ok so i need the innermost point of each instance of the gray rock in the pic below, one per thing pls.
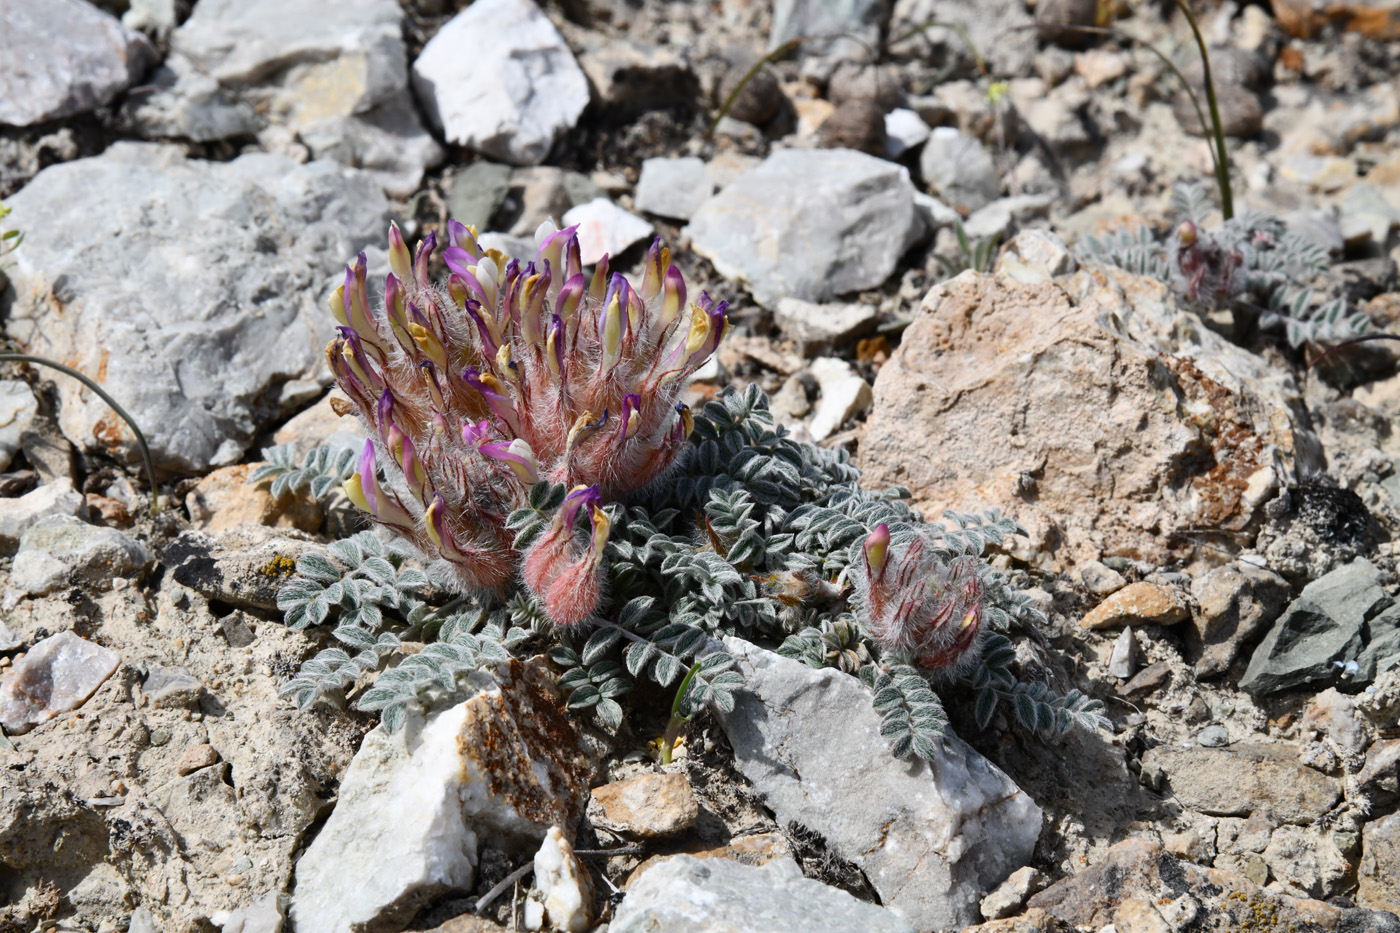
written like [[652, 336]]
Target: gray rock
[[810, 224], [1306, 859], [829, 25], [905, 131], [62, 550], [61, 57], [997, 219], [536, 194], [932, 838], [684, 894], [1002, 30], [170, 687], [57, 675], [239, 566], [1123, 661], [1234, 603], [285, 69], [1320, 631], [477, 192], [1241, 113], [519, 90], [673, 187], [8, 639], [958, 169], [1213, 737], [819, 328], [19, 515], [225, 269], [501, 767], [1097, 577], [1238, 781], [18, 406]]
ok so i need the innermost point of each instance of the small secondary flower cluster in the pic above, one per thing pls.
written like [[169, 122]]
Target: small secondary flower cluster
[[509, 375], [920, 605], [1203, 267]]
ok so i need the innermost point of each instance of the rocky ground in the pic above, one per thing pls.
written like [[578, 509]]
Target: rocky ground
[[1210, 524]]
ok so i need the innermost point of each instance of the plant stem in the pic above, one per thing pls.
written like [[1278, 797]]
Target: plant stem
[[1171, 65], [140, 438], [774, 55], [674, 724], [1222, 166]]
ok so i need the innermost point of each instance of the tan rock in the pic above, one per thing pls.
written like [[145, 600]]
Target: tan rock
[[647, 806], [1090, 409], [196, 757], [1137, 915], [756, 849], [1138, 604], [225, 499]]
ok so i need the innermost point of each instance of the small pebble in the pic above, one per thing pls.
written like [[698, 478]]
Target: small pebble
[[160, 736], [1213, 737], [196, 757]]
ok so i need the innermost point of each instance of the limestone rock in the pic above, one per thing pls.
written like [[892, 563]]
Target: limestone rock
[[820, 328], [1238, 781], [56, 675], [244, 566], [829, 25], [958, 169], [1138, 882], [684, 894], [1123, 661], [1234, 603], [604, 229], [844, 394], [225, 499], [502, 767], [18, 515], [517, 91], [1085, 408], [61, 57], [1002, 30], [673, 187], [331, 86], [1140, 603], [18, 406], [225, 268], [564, 883], [932, 838], [62, 550], [1380, 864], [1327, 626], [809, 224], [646, 806]]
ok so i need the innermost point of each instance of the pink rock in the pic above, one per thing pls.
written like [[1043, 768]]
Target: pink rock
[[55, 676]]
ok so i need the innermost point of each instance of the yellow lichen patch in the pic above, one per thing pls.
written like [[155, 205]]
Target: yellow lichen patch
[[280, 566]]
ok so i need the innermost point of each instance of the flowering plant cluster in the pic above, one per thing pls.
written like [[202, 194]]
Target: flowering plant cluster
[[507, 376], [1250, 262], [528, 436]]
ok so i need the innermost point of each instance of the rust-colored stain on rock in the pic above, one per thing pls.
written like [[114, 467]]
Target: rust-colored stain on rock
[[512, 733]]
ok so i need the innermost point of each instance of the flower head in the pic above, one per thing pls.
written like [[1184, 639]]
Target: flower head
[[917, 603], [509, 374]]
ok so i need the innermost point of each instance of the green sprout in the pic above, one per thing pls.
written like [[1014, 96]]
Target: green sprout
[[677, 720]]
